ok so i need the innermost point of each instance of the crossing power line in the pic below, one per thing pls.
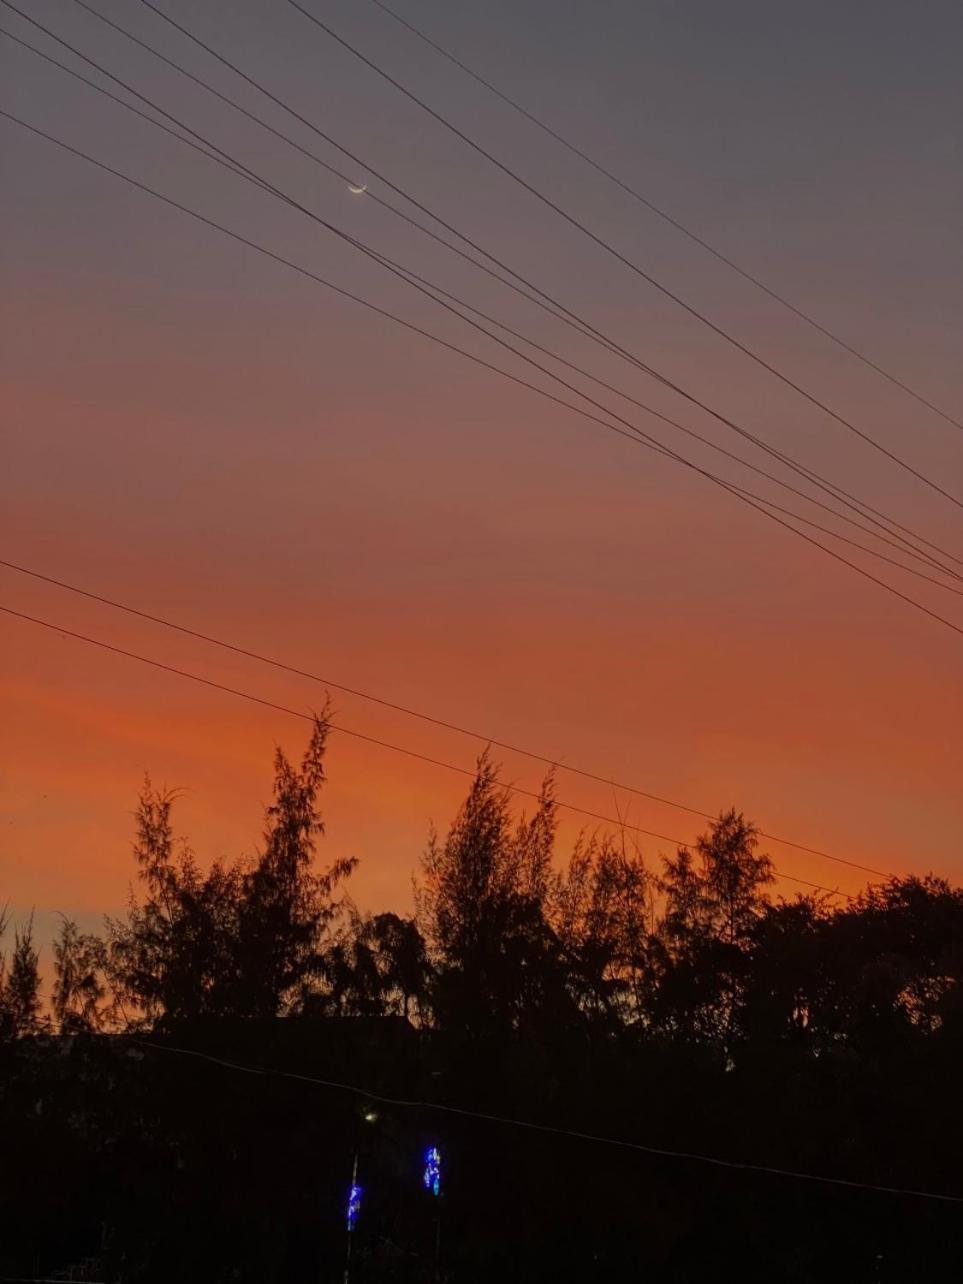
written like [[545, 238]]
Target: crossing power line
[[633, 434], [617, 254], [662, 213], [830, 488], [242, 694], [213, 157], [501, 271], [650, 410], [121, 606], [204, 146]]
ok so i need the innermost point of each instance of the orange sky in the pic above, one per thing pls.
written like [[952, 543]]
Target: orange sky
[[195, 431]]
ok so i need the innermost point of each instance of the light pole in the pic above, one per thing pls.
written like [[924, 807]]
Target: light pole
[[370, 1116], [354, 1208], [432, 1184]]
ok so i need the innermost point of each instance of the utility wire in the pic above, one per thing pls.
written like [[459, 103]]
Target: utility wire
[[634, 434], [198, 146], [433, 288], [236, 166], [374, 740], [573, 1134], [663, 214], [410, 712], [622, 258], [364, 695], [553, 306], [519, 284], [541, 298], [826, 530]]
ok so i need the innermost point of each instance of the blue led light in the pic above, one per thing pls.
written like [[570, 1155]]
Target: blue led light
[[432, 1177], [354, 1205]]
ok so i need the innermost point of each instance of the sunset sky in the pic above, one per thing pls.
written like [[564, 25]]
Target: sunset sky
[[205, 435]]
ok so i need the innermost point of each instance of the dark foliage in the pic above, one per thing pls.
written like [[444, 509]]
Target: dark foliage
[[679, 1006]]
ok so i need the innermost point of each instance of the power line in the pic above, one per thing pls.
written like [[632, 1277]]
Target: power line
[[571, 1133], [538, 296], [541, 758], [413, 279], [634, 434], [198, 146], [663, 214], [433, 288], [374, 740], [238, 168], [241, 173], [851, 542], [751, 496], [410, 712], [617, 254]]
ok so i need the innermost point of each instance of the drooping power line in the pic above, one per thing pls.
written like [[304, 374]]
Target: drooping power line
[[400, 1103], [212, 157], [446, 725], [241, 694]]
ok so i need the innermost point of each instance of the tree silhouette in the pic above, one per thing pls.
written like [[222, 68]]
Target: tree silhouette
[[80, 991], [285, 908], [175, 954], [244, 939], [20, 1005], [675, 1003], [376, 965], [482, 904], [713, 899], [602, 913]]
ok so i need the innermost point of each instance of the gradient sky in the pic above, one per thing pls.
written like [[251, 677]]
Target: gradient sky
[[204, 434]]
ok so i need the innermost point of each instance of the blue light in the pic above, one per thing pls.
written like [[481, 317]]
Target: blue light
[[354, 1205], [432, 1178]]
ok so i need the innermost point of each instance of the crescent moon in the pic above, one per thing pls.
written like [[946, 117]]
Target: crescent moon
[[357, 191]]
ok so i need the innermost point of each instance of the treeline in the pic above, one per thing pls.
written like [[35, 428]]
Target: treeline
[[680, 1005], [694, 951]]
